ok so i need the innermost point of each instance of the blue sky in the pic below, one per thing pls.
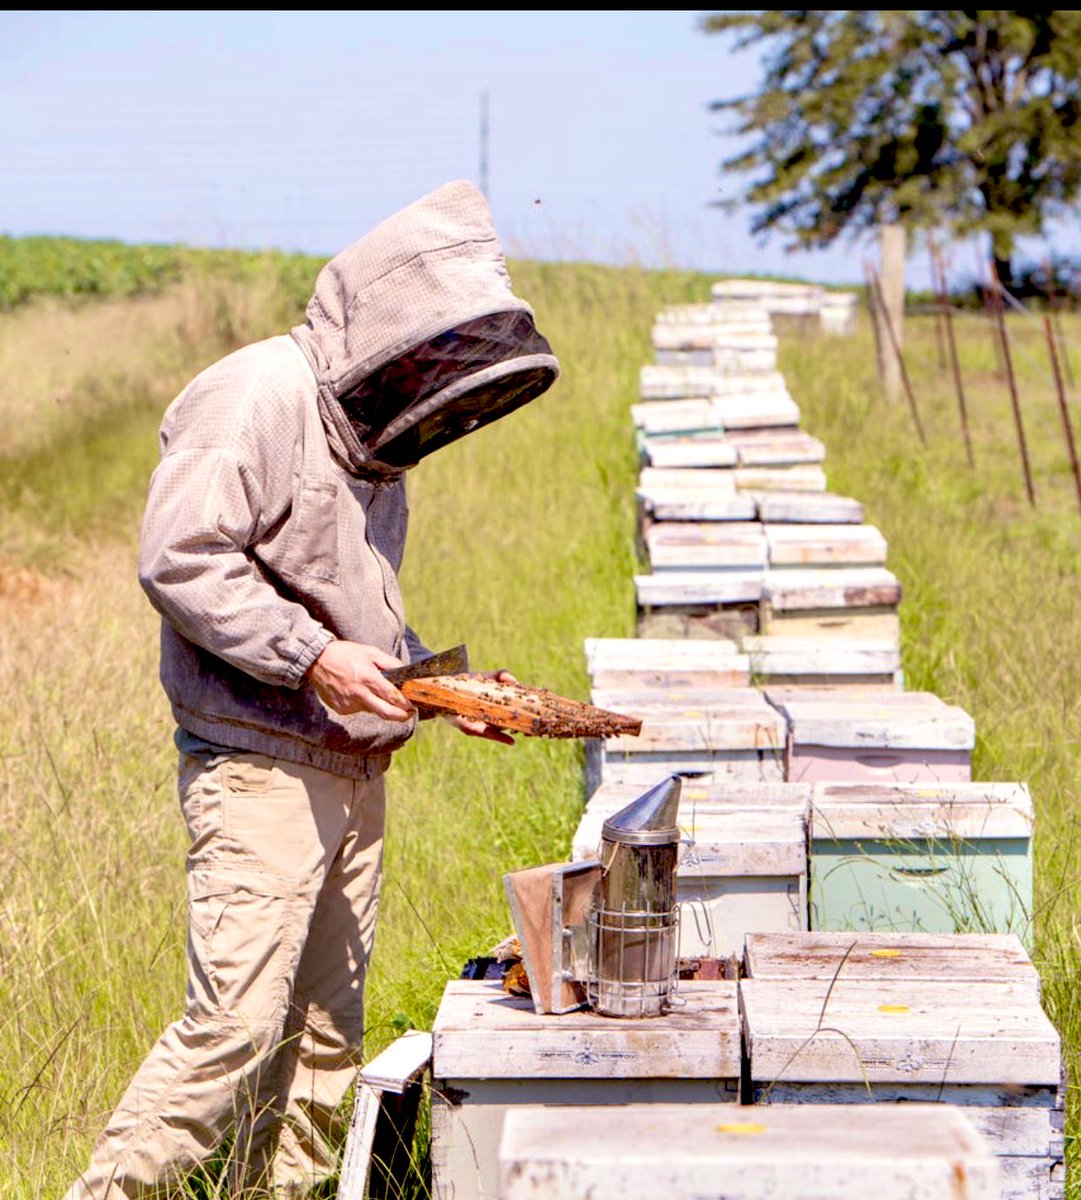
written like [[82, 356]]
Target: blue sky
[[300, 130]]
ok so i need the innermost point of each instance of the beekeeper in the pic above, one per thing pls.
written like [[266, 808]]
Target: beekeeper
[[271, 544]]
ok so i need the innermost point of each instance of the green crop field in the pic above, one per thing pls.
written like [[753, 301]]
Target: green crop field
[[522, 544]]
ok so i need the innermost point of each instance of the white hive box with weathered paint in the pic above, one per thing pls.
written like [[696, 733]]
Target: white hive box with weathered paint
[[690, 494], [733, 349], [698, 604], [662, 499], [806, 1152], [936, 857], [892, 737], [789, 299], [687, 336], [675, 417], [775, 447], [746, 387], [793, 477], [757, 410], [492, 1053], [706, 546], [710, 313], [988, 1048], [680, 381], [687, 314], [872, 663], [845, 602], [807, 508], [664, 663], [837, 312], [690, 450], [731, 735], [932, 957], [824, 546], [742, 866]]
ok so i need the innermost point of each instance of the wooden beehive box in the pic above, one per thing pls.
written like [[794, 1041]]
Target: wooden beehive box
[[732, 735], [934, 857], [823, 663], [775, 447], [807, 508], [987, 1047], [675, 381], [675, 417], [889, 737], [706, 546], [805, 1152], [794, 477], [699, 335], [664, 663], [823, 545], [736, 355], [698, 604], [688, 450], [661, 500], [689, 494], [932, 957], [843, 602], [742, 867], [773, 411], [492, 1053], [748, 386]]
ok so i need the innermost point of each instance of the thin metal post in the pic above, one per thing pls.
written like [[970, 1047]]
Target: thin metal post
[[905, 381], [989, 309], [1053, 299], [872, 306], [947, 316], [1063, 407], [1000, 316], [940, 341]]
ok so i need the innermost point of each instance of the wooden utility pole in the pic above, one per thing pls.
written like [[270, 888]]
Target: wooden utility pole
[[484, 143], [891, 281]]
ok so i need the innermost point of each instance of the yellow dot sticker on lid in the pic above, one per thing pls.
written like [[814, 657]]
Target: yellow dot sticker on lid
[[894, 1008], [745, 1127], [885, 953]]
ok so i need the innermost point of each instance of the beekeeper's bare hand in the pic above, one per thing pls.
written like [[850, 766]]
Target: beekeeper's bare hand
[[347, 678], [482, 729]]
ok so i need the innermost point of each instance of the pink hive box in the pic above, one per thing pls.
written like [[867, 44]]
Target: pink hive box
[[871, 737]]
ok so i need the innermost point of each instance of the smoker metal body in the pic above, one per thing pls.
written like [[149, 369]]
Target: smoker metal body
[[635, 923]]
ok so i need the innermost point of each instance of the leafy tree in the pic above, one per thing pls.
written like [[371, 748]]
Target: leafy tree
[[968, 120]]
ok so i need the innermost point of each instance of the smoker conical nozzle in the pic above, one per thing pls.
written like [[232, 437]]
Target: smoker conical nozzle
[[651, 819]]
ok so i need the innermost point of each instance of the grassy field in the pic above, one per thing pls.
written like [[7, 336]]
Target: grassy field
[[522, 544]]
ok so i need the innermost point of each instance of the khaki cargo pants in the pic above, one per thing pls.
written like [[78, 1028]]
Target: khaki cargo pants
[[283, 887]]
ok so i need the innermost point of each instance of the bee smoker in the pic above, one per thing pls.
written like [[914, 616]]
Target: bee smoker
[[634, 922]]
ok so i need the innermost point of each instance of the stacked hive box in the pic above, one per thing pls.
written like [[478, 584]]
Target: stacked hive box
[[829, 819]]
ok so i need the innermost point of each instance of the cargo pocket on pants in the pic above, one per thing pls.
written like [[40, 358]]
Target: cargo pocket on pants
[[243, 945]]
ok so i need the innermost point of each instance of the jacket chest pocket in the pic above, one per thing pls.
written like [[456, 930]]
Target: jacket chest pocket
[[311, 551]]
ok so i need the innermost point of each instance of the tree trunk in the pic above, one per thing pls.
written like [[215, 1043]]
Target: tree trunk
[[1002, 251]]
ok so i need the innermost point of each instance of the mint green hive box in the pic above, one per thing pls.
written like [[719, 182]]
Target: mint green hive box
[[949, 858]]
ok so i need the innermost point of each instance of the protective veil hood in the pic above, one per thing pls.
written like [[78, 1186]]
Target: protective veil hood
[[416, 338]]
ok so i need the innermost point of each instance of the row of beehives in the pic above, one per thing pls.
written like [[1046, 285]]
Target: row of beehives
[[825, 798], [799, 603], [533, 1105], [751, 302], [740, 532]]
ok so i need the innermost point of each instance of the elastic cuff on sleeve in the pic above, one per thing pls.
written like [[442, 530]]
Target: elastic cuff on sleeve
[[310, 651]]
